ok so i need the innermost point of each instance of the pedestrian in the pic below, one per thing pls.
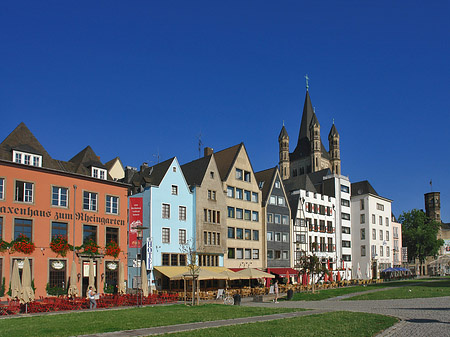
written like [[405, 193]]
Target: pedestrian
[[275, 286], [92, 301]]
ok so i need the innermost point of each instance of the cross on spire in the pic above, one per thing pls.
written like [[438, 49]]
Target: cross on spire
[[307, 83]]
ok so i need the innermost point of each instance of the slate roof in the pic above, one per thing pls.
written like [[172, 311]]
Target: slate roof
[[362, 187], [195, 171], [84, 160], [152, 175], [333, 131], [293, 204], [266, 177], [302, 182], [283, 134], [225, 159]]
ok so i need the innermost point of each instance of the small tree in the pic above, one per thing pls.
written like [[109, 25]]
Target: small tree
[[311, 265], [419, 235], [192, 263]]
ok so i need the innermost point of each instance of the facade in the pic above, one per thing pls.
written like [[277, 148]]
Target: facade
[[371, 230], [41, 197], [396, 242], [168, 219], [243, 200], [275, 220], [203, 178]]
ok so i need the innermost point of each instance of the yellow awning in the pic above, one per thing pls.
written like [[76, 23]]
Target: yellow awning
[[170, 272]]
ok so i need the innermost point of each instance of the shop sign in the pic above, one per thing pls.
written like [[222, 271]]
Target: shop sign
[[111, 265], [58, 265]]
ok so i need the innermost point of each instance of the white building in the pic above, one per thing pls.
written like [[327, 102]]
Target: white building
[[371, 231]]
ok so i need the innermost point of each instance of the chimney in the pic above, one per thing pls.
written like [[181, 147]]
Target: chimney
[[208, 151], [144, 166]]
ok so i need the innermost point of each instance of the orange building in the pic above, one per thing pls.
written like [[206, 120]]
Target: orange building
[[41, 198]]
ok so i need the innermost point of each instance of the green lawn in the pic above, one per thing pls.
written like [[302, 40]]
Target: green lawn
[[437, 288], [78, 323], [347, 324], [329, 293]]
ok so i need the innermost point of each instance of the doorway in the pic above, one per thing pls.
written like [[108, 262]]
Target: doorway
[[85, 278]]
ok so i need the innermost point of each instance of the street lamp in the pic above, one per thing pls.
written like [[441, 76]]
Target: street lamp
[[139, 234]]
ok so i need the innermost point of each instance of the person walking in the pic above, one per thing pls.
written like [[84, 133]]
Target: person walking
[[275, 286], [92, 301]]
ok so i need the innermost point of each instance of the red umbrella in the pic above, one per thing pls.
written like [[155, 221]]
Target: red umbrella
[[338, 276], [287, 275], [268, 279]]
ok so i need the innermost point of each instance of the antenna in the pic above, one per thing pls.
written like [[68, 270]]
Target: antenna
[[157, 156], [200, 144]]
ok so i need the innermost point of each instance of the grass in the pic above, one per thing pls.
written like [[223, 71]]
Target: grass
[[437, 288], [349, 324], [329, 293], [79, 323]]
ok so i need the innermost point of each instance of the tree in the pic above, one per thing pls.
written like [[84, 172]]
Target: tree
[[419, 235], [188, 248], [311, 265]]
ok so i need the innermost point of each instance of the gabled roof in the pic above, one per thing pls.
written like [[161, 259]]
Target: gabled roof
[[226, 158], [266, 177], [293, 200], [302, 182], [152, 176], [362, 187], [84, 160], [283, 134], [110, 164], [195, 171]]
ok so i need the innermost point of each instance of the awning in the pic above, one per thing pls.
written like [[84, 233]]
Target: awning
[[171, 272], [283, 271]]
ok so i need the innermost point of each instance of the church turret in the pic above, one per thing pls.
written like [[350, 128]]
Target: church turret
[[283, 142], [335, 153], [316, 148]]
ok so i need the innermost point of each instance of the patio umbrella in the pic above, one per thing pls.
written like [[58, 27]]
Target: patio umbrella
[[26, 293], [358, 272], [121, 289], [338, 276], [325, 278], [15, 281], [252, 273], [91, 275], [368, 271], [73, 289], [144, 279]]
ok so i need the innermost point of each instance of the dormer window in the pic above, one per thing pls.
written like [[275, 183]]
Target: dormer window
[[27, 158], [98, 173]]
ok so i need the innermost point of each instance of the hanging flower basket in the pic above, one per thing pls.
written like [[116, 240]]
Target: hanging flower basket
[[112, 249], [60, 245], [23, 244], [91, 248]]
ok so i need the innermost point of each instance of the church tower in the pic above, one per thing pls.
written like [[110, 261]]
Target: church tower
[[284, 163], [433, 205], [335, 153], [316, 144]]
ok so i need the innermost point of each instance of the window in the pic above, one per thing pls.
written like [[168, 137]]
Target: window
[[248, 253], [302, 238], [59, 228], [166, 259], [165, 211], [174, 169], [270, 254], [255, 254], [57, 273], [345, 230], [23, 226], [239, 233], [239, 194], [255, 216], [230, 212], [166, 235], [247, 176], [278, 218], [363, 233], [174, 259], [346, 244], [247, 215], [363, 250], [374, 250], [89, 233], [273, 200], [27, 158], [181, 236], [59, 196], [255, 235], [345, 202], [269, 236], [374, 234], [239, 253], [285, 220], [211, 195], [387, 221], [277, 236], [98, 173], [182, 213], [239, 213], [388, 252], [345, 216], [281, 201], [112, 204], [24, 191], [277, 255], [89, 201], [112, 234], [277, 184], [373, 219], [231, 232], [381, 220], [381, 234], [362, 218], [248, 234], [285, 255], [361, 204], [380, 207], [231, 253], [238, 174], [346, 258], [211, 175], [345, 189], [254, 197], [285, 237], [381, 251], [247, 195], [230, 192], [269, 217], [387, 235], [174, 190]]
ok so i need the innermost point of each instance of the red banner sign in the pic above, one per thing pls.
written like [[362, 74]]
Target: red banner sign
[[136, 216]]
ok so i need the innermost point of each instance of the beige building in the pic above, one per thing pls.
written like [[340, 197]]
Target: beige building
[[202, 175], [397, 242], [243, 200]]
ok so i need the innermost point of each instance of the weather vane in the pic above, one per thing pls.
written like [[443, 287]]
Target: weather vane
[[307, 83]]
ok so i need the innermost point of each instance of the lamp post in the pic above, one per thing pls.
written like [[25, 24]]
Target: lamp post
[[139, 232]]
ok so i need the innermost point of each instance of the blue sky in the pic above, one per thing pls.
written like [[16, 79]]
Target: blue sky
[[139, 78]]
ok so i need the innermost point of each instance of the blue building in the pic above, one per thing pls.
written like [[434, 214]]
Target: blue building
[[168, 217]]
